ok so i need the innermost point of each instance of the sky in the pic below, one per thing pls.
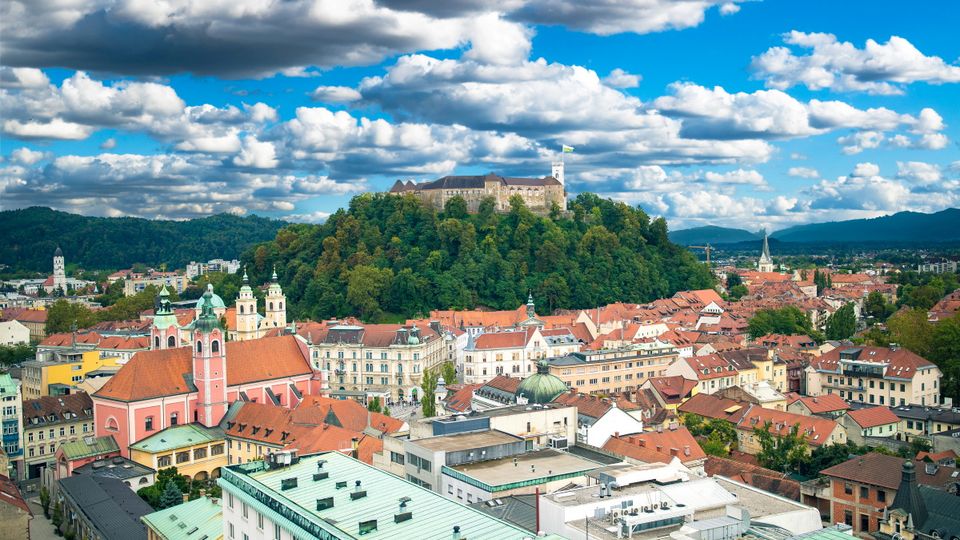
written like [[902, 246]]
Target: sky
[[747, 114]]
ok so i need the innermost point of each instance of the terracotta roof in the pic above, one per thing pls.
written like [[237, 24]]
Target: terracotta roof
[[68, 408], [815, 430], [460, 400], [672, 389], [823, 404], [872, 468], [873, 416], [902, 363], [502, 340], [9, 494], [939, 456], [482, 319], [710, 406], [24, 315], [315, 410], [710, 366], [505, 383], [165, 372], [754, 475], [592, 406], [66, 339], [652, 446]]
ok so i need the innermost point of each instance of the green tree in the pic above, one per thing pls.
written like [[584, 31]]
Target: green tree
[[45, 501], [733, 279], [738, 291], [12, 354], [785, 320], [449, 372], [781, 452], [386, 410], [57, 518], [842, 323], [917, 445], [428, 403], [374, 404], [62, 316], [366, 288], [876, 306], [945, 352], [455, 207], [171, 495], [911, 330]]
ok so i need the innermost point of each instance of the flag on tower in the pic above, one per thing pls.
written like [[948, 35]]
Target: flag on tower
[[566, 149]]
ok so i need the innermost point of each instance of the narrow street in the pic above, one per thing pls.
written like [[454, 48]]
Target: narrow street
[[40, 526]]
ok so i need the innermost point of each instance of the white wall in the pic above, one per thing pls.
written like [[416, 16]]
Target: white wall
[[615, 421], [13, 333]]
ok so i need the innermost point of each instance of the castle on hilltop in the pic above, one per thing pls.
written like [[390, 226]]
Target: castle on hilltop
[[539, 194]]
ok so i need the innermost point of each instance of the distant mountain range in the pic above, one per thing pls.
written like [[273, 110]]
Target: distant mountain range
[[940, 227], [713, 235], [28, 238]]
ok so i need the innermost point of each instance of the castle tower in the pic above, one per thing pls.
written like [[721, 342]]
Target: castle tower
[[59, 272], [209, 365], [165, 331], [557, 171], [765, 264], [247, 324], [276, 312]]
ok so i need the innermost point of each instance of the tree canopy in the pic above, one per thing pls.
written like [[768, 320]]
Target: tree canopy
[[786, 320], [388, 256], [842, 323]]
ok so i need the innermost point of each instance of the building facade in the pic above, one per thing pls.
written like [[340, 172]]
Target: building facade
[[538, 194], [196, 451], [11, 420], [875, 375], [48, 423], [613, 371]]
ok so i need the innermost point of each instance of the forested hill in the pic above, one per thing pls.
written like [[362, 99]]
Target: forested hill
[[711, 234], [29, 237], [390, 255], [943, 226]]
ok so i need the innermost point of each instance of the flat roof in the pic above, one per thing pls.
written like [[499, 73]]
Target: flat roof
[[199, 518], [433, 516], [466, 441], [115, 467], [542, 464], [520, 409]]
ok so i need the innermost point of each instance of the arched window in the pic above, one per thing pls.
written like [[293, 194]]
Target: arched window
[[215, 346], [199, 346], [271, 306], [111, 424], [156, 342], [241, 309], [143, 480], [171, 342], [281, 306]]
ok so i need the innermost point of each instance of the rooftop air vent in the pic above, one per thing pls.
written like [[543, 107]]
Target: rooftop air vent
[[357, 492], [288, 483], [323, 504]]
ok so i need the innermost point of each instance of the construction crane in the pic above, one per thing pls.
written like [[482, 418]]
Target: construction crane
[[707, 248]]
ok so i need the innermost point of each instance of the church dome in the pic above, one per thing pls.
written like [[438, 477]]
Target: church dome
[[214, 299], [541, 387]]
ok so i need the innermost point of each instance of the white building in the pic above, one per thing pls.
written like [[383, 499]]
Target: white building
[[13, 333], [195, 269], [598, 419]]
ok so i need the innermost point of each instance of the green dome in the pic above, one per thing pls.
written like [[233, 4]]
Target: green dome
[[215, 301], [541, 387], [207, 321]]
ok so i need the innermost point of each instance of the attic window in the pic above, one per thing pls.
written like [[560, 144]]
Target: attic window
[[367, 527], [284, 435], [323, 504]]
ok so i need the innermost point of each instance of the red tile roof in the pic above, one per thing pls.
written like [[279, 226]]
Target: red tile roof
[[460, 400], [872, 468], [939, 456], [9, 494], [24, 315], [314, 410], [68, 408], [754, 475], [710, 406], [823, 404], [672, 389], [592, 406], [657, 447], [902, 363], [505, 383], [503, 340], [158, 373], [873, 416], [710, 366], [815, 430]]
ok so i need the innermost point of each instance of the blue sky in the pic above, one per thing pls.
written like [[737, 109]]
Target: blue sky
[[745, 114]]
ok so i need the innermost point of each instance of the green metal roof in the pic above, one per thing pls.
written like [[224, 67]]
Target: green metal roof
[[199, 518], [176, 437], [89, 446], [433, 516], [541, 387], [8, 387]]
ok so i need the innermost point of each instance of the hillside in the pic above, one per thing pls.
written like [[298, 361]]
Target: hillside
[[28, 238], [713, 235], [388, 255], [943, 226]]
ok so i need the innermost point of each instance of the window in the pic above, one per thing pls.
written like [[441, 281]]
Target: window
[[396, 457], [173, 419], [216, 449], [164, 461], [881, 495], [848, 488], [200, 453], [864, 492], [259, 521], [171, 341], [450, 489], [231, 530], [183, 457], [848, 517], [459, 493], [148, 423], [276, 531], [244, 510], [215, 346], [200, 350], [864, 522]]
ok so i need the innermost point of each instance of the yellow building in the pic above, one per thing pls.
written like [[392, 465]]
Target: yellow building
[[196, 451], [612, 371], [62, 371]]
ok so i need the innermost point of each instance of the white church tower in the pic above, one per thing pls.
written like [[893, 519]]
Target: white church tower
[[276, 310], [59, 272], [765, 264], [247, 316]]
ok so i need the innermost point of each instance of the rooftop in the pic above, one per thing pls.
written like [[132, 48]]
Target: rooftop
[[431, 516], [176, 437], [89, 446], [199, 518], [466, 441], [109, 504], [117, 467], [530, 468]]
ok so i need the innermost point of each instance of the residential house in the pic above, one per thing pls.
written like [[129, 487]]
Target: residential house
[[827, 405], [768, 480], [34, 319], [613, 371], [660, 447], [56, 373], [816, 431], [919, 512], [598, 419], [73, 455], [861, 424], [875, 375], [511, 352], [49, 422], [11, 421], [672, 391], [711, 372], [760, 393], [13, 332]]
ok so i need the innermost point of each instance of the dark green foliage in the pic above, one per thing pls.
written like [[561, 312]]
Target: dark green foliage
[[62, 315], [29, 237], [45, 501], [943, 226], [785, 452], [917, 445], [374, 405], [449, 372], [429, 400], [842, 323], [390, 255], [57, 518], [733, 279], [12, 354], [786, 320], [877, 307], [922, 291], [171, 496], [720, 435], [738, 291]]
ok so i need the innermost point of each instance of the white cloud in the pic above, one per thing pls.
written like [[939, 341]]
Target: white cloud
[[865, 169], [108, 144], [803, 172], [878, 68], [729, 8], [256, 154], [52, 129], [308, 217], [619, 78], [26, 156], [919, 172], [860, 141], [21, 77], [335, 94], [739, 176], [616, 17]]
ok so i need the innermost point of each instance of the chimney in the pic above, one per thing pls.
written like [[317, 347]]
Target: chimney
[[456, 532]]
